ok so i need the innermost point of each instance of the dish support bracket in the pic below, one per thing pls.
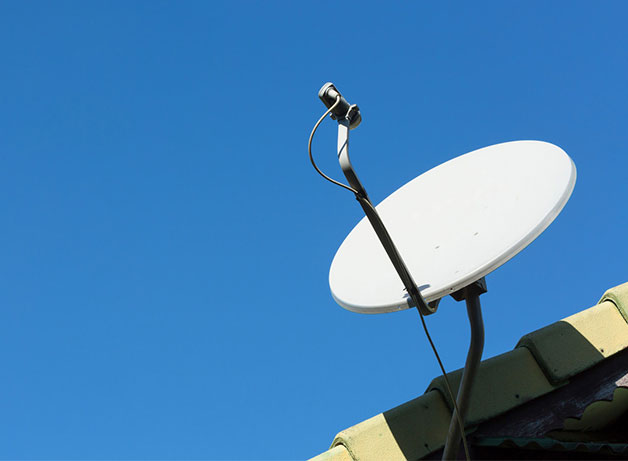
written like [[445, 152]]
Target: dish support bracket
[[471, 294]]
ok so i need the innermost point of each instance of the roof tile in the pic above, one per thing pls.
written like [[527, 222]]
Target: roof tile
[[503, 382], [618, 296], [576, 343], [409, 431], [337, 453]]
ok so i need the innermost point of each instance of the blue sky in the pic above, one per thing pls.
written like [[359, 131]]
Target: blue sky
[[166, 243]]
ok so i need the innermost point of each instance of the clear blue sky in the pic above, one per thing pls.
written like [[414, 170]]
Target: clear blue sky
[[166, 244]]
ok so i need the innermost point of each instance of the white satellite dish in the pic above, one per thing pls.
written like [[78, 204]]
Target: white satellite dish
[[442, 232], [454, 224]]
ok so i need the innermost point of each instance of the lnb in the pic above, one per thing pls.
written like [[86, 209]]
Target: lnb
[[343, 110]]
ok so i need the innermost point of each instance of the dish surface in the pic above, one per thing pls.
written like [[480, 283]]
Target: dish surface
[[454, 224]]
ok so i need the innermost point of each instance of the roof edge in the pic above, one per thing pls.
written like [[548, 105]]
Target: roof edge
[[543, 361]]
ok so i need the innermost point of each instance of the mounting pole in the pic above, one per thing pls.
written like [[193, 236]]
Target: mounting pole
[[471, 294]]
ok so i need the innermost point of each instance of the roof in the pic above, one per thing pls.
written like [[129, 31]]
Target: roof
[[562, 388]]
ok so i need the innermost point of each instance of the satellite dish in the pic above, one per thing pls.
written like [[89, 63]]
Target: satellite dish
[[454, 224]]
